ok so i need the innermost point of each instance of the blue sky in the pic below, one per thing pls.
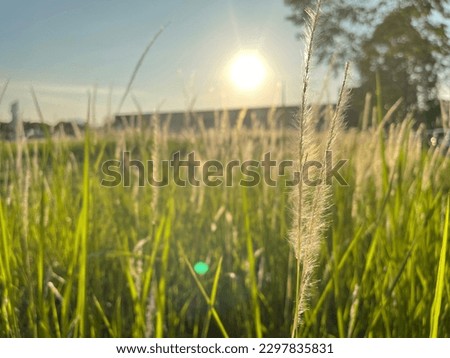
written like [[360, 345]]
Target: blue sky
[[64, 48]]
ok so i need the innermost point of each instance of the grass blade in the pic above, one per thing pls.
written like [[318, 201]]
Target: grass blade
[[207, 299], [440, 281]]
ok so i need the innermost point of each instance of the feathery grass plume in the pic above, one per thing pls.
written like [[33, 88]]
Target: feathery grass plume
[[155, 157], [304, 149], [310, 202], [138, 125], [313, 223], [337, 123]]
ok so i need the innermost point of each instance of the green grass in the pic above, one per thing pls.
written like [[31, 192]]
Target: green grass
[[78, 259], [440, 280]]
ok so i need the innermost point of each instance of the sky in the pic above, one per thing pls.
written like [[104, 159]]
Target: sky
[[66, 49]]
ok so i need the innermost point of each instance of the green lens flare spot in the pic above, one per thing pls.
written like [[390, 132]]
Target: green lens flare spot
[[201, 268]]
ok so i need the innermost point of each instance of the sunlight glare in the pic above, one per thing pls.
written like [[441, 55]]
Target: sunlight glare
[[247, 70]]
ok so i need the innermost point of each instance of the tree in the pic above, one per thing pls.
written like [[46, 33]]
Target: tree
[[405, 43]]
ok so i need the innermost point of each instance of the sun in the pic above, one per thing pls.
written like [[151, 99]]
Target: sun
[[247, 70]]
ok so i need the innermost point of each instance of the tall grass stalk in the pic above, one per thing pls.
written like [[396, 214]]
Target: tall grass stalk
[[138, 66], [3, 91], [440, 279], [310, 211], [10, 328], [304, 122]]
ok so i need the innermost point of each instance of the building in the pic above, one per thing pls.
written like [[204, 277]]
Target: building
[[11, 130], [177, 121], [17, 128]]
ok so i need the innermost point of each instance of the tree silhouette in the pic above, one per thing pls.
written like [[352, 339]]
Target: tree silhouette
[[405, 43]]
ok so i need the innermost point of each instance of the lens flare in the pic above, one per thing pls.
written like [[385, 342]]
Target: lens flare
[[201, 268]]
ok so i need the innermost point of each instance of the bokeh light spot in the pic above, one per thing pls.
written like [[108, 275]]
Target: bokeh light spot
[[201, 268]]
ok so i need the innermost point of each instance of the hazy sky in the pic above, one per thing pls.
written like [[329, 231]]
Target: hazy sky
[[64, 48]]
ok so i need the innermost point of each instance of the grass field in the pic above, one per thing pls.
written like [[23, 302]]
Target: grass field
[[79, 259], [365, 256]]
